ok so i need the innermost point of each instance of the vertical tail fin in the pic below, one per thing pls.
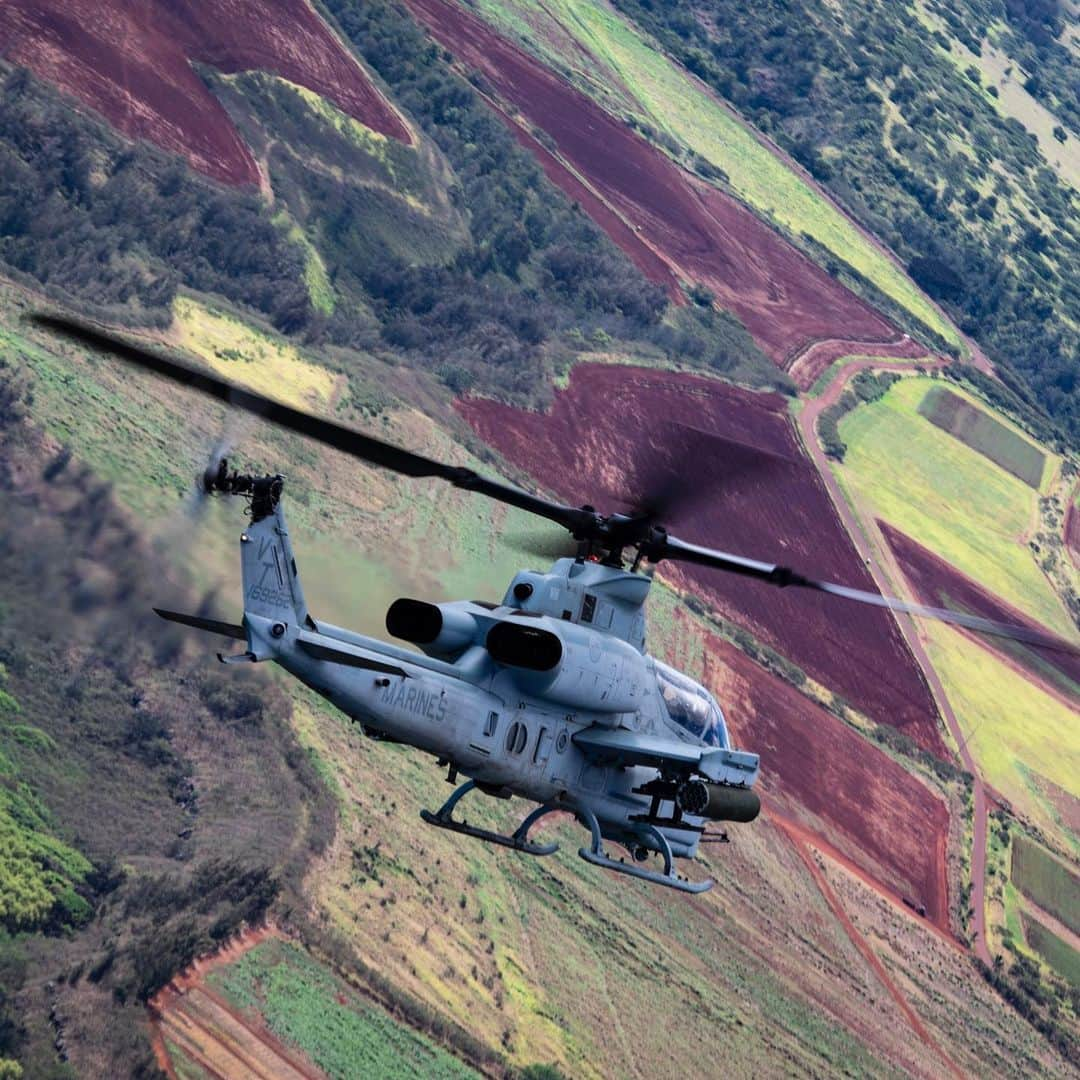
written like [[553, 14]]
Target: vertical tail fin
[[272, 587]]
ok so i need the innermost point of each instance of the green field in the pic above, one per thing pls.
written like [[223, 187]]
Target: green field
[[1047, 881], [1012, 727], [235, 350], [669, 99], [1059, 954], [306, 1006], [951, 499], [976, 428]]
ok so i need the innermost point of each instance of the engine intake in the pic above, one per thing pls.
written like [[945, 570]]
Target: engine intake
[[438, 630], [718, 802], [520, 646]]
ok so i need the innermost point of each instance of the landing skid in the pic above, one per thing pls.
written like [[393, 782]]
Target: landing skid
[[444, 819], [596, 855]]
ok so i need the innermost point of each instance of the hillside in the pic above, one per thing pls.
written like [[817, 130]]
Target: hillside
[[579, 246]]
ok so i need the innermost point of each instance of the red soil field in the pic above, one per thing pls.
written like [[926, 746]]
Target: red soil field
[[808, 364], [702, 234], [1072, 533], [610, 432], [935, 581], [132, 62], [819, 772]]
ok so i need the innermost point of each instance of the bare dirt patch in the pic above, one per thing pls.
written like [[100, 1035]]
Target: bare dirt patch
[[611, 426], [699, 232], [132, 62], [1072, 533]]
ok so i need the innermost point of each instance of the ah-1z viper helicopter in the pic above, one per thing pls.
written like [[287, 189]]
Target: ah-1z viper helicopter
[[549, 695]]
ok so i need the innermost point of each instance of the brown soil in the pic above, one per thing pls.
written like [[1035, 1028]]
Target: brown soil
[[818, 773], [699, 233], [132, 62], [611, 432], [935, 581], [1072, 533]]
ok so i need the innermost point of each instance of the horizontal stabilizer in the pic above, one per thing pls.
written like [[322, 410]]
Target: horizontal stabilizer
[[337, 653], [210, 625]]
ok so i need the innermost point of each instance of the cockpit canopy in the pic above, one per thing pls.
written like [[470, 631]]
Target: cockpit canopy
[[691, 706]]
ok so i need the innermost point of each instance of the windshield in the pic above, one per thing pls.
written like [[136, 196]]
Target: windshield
[[691, 706]]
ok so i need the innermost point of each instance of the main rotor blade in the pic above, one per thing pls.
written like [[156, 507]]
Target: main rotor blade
[[665, 474], [328, 432], [783, 576]]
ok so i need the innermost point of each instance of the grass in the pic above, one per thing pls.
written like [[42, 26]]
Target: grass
[[320, 290], [307, 1006], [1011, 725], [1047, 881], [248, 356], [975, 515], [976, 428], [679, 105], [1059, 954]]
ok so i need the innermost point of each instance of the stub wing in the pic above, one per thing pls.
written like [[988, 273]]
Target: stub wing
[[617, 746]]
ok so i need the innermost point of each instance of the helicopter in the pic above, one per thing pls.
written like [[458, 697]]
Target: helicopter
[[549, 695]]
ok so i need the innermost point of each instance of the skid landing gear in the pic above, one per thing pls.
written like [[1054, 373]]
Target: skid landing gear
[[598, 857], [444, 819]]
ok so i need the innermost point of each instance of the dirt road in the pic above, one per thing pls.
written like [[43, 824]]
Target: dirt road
[[802, 841], [874, 559]]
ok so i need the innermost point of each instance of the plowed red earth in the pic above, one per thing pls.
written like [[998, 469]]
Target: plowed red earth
[[819, 772], [701, 234], [813, 359], [132, 62], [936, 582], [606, 434], [1072, 533]]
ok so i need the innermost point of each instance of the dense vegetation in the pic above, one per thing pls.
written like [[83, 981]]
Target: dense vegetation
[[869, 100], [534, 264], [121, 226], [1030, 31], [39, 873]]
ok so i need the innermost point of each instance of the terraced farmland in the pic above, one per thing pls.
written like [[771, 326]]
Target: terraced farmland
[[1019, 734], [940, 585], [1059, 954], [1046, 880], [819, 772]]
